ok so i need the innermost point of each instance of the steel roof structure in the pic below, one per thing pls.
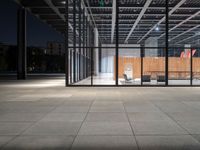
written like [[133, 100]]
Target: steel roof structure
[[138, 19]]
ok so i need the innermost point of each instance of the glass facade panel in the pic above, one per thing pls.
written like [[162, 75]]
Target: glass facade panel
[[126, 43], [179, 67], [104, 71], [153, 67], [129, 71], [196, 66]]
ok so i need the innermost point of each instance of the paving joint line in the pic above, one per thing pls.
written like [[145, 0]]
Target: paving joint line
[[82, 124], [130, 126]]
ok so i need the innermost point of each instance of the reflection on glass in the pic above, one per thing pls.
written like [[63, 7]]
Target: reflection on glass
[[129, 70], [153, 67], [196, 66], [179, 66], [104, 66]]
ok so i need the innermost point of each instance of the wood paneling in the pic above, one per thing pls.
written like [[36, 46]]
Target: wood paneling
[[136, 64], [178, 67], [196, 67]]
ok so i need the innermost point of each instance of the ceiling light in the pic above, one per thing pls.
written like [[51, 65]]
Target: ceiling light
[[63, 2], [157, 29]]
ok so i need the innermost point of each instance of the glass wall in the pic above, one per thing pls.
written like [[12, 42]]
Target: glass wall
[[153, 66], [104, 65], [144, 63], [80, 33], [129, 68], [104, 52], [126, 43], [179, 67], [183, 37], [196, 66]]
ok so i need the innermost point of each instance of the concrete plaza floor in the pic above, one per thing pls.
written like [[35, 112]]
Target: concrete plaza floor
[[43, 114]]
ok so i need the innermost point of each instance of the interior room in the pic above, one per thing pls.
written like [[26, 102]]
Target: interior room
[[131, 43]]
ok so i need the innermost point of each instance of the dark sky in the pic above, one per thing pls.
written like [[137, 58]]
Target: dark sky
[[38, 33]]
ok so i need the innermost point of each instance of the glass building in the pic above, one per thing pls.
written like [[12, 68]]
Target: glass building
[[122, 42]]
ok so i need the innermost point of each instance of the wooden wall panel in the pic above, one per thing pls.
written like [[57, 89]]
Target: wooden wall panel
[[179, 68], [196, 67], [153, 64], [136, 63]]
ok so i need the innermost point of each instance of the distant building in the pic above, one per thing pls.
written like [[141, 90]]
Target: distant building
[[3, 49], [55, 48], [8, 59]]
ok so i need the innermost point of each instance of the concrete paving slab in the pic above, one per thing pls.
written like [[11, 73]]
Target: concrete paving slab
[[5, 139], [105, 128], [13, 128], [104, 143], [53, 128], [68, 117], [183, 142], [106, 117], [40, 143], [71, 109], [157, 128]]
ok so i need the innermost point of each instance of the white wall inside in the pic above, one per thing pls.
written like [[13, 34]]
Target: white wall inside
[[96, 52], [151, 42], [108, 54]]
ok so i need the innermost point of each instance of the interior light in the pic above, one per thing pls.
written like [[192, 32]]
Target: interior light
[[63, 2], [157, 29]]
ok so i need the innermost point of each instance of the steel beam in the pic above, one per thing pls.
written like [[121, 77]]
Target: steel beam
[[163, 19], [148, 2], [56, 10], [66, 45], [182, 22], [113, 20], [74, 40], [184, 32], [22, 45]]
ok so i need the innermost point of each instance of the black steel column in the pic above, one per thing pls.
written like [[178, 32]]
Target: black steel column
[[191, 67], [117, 42], [74, 40], [66, 45], [83, 43], [100, 53], [71, 64], [86, 41], [166, 41], [142, 56], [92, 53], [80, 39], [92, 65], [22, 45], [85, 65]]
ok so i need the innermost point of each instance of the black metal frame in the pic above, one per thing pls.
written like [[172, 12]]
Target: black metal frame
[[74, 41], [88, 39], [166, 41], [141, 55], [191, 68], [117, 42], [80, 40], [21, 45], [66, 45]]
